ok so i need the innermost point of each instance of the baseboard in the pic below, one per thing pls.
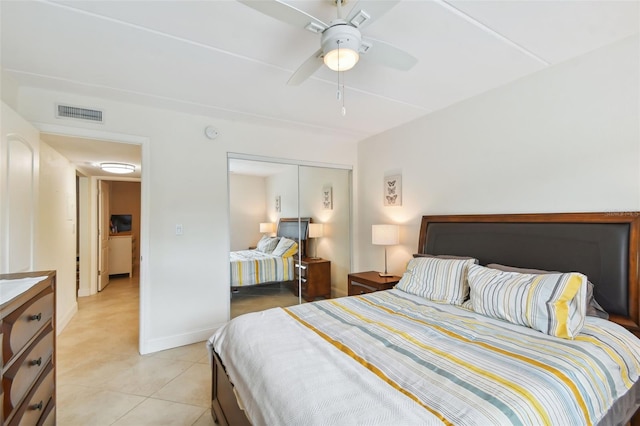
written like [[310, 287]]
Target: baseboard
[[84, 292], [170, 342], [63, 320]]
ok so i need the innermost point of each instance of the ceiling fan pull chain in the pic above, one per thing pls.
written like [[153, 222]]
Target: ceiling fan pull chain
[[339, 94], [344, 109]]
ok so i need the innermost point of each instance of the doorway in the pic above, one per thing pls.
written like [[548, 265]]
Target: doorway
[[85, 150]]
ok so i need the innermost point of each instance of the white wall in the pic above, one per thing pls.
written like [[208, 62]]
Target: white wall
[[56, 242], [335, 245], [285, 186], [247, 208], [184, 279], [565, 139]]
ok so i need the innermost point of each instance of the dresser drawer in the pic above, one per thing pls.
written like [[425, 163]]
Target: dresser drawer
[[41, 396], [49, 416], [22, 324], [17, 380], [360, 288]]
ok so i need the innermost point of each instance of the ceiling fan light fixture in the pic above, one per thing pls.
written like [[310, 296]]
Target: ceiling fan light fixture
[[341, 59], [341, 46], [119, 168]]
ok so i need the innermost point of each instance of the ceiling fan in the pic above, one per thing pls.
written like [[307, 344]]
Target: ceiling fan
[[341, 42]]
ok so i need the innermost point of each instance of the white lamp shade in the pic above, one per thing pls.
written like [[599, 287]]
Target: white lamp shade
[[385, 235], [316, 230], [267, 227]]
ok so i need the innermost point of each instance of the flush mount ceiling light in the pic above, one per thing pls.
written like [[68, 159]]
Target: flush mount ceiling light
[[119, 168]]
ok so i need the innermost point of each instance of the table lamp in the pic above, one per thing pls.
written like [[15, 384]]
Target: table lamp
[[315, 231], [385, 235]]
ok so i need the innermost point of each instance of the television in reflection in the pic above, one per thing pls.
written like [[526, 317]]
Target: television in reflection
[[120, 223]]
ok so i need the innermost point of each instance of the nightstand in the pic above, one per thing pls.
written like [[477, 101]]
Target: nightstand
[[316, 278], [370, 281]]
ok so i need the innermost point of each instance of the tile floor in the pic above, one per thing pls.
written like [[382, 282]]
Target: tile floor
[[103, 380]]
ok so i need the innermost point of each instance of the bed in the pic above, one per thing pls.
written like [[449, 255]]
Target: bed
[[397, 357], [270, 262]]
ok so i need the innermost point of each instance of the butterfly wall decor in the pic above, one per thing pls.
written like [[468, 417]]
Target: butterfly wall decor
[[327, 198], [392, 188]]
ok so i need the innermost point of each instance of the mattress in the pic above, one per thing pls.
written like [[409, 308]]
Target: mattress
[[251, 267], [393, 358]]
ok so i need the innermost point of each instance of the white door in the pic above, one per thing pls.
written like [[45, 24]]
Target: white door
[[19, 168], [103, 234]]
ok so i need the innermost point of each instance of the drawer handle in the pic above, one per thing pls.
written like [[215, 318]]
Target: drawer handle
[[301, 266], [36, 317], [37, 362], [37, 406]]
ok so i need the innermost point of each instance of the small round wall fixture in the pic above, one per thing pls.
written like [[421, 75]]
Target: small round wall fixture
[[119, 168], [211, 132]]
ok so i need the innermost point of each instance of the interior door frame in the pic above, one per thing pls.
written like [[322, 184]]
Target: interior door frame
[[145, 145]]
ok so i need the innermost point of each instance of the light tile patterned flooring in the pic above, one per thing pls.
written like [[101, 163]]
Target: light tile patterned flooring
[[103, 380]]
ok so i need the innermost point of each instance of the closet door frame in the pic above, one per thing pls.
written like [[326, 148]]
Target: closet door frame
[[298, 164]]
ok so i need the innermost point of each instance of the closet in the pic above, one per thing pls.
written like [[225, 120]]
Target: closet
[[263, 190]]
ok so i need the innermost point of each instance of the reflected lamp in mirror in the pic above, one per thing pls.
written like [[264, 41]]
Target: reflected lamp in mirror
[[385, 235], [316, 230], [267, 227]]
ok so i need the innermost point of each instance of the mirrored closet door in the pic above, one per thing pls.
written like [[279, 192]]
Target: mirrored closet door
[[289, 233]]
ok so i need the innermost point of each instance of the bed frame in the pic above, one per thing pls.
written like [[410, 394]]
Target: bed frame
[[603, 246]]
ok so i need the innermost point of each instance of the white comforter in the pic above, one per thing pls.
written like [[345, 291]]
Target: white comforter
[[314, 364]]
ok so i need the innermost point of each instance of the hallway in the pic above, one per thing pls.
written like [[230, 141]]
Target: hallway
[[103, 380]]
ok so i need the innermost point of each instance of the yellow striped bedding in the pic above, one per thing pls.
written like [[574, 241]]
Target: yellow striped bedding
[[466, 369], [251, 267]]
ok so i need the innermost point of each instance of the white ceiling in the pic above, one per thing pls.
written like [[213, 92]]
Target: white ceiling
[[224, 59]]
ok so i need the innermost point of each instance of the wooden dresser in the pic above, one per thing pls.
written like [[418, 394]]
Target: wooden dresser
[[27, 322], [316, 278]]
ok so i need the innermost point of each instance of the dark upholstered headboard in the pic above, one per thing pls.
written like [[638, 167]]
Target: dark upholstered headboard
[[295, 230], [603, 246]]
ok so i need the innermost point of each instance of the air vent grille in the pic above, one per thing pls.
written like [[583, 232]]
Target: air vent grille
[[79, 113]]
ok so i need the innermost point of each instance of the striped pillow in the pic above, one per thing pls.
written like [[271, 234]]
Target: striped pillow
[[554, 304], [285, 248], [440, 280]]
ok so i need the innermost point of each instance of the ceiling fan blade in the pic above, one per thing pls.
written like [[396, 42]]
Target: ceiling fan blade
[[389, 55], [307, 69], [286, 13], [365, 12]]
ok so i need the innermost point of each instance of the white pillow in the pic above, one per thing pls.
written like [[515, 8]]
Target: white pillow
[[283, 247], [554, 304], [267, 244], [437, 279]]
